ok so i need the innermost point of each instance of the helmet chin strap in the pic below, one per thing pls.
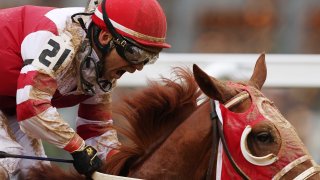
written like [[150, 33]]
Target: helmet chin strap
[[93, 36], [92, 62]]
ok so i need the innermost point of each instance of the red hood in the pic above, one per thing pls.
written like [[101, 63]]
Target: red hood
[[234, 124]]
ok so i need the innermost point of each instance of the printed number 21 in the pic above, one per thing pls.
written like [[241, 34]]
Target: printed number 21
[[52, 53]]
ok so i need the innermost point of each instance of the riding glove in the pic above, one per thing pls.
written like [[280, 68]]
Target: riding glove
[[86, 161]]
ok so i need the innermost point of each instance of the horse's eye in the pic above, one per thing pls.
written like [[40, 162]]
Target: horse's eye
[[264, 137]]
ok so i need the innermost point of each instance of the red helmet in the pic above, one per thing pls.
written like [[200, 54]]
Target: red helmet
[[141, 20]]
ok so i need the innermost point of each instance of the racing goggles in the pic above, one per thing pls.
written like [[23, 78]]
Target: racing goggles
[[128, 49], [135, 53]]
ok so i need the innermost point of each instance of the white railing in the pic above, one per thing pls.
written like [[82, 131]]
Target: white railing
[[284, 70]]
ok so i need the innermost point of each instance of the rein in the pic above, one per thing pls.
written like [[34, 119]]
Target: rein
[[7, 155]]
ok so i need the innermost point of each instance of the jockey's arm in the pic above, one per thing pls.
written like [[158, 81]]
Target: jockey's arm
[[37, 83], [35, 113], [51, 55], [95, 124]]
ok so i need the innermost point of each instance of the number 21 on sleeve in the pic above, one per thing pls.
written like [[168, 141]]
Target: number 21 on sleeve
[[55, 52]]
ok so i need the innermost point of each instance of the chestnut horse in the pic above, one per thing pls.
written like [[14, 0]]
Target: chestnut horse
[[234, 133]]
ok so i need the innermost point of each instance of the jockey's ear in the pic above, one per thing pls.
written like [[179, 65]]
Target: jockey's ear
[[104, 37]]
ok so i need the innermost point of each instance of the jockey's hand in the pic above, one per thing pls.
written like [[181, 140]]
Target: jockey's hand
[[86, 161]]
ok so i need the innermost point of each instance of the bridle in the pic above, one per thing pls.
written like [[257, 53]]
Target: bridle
[[217, 133]]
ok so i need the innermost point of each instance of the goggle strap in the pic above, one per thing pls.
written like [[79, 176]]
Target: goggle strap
[[108, 23], [120, 50], [104, 49]]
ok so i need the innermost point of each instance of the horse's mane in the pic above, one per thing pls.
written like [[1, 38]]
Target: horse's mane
[[152, 114]]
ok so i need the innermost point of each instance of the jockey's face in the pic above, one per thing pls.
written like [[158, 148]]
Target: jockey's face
[[115, 66]]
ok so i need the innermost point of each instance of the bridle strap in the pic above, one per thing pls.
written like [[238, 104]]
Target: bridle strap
[[237, 99], [304, 175], [215, 139], [290, 166], [218, 128], [308, 173]]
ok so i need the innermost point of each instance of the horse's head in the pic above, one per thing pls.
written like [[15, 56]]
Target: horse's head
[[261, 142]]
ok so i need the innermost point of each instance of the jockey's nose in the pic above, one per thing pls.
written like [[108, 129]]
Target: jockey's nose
[[133, 67]]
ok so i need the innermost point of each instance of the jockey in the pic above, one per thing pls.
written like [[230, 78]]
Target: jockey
[[59, 57]]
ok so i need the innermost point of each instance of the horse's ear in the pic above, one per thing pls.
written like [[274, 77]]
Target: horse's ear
[[260, 73], [212, 87]]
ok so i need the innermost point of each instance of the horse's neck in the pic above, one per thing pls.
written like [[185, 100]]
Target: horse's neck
[[185, 149]]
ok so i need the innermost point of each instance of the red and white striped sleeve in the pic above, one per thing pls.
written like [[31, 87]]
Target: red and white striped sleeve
[[35, 113], [45, 43], [36, 85], [95, 124]]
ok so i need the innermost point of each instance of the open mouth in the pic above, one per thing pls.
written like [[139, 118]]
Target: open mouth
[[120, 73]]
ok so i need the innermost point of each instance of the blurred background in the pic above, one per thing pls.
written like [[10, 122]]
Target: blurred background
[[238, 26]]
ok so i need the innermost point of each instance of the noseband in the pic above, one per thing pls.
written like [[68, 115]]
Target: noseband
[[217, 134]]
